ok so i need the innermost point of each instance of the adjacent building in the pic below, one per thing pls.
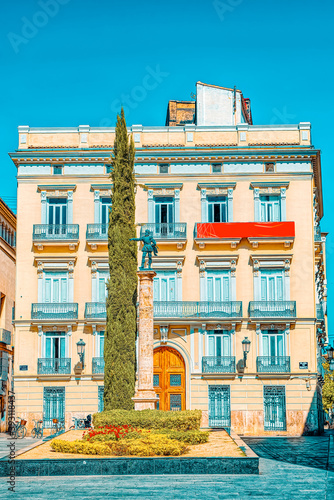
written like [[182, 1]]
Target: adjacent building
[[235, 209], [7, 303]]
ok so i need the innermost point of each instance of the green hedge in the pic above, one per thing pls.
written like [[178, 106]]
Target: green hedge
[[150, 419]]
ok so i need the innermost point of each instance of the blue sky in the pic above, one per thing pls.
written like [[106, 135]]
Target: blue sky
[[71, 62]]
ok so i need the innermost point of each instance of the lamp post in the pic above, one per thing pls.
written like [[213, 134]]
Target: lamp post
[[81, 352], [330, 355], [245, 347]]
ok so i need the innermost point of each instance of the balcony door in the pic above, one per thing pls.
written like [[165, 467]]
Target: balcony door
[[102, 291], [217, 209], [273, 343], [270, 208], [164, 216], [57, 215], [218, 344], [164, 287], [218, 286], [55, 345], [105, 206], [55, 288], [272, 286], [100, 344]]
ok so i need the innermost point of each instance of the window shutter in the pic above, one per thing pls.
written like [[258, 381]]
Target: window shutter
[[280, 293], [62, 347], [163, 289], [63, 290], [171, 289], [171, 213], [218, 345], [226, 345], [55, 287], [211, 345], [272, 295], [48, 347], [277, 214], [280, 345], [102, 289], [263, 212], [156, 294], [101, 345], [210, 289], [218, 286], [265, 345], [64, 214], [47, 296], [226, 288], [157, 213], [264, 288], [210, 214]]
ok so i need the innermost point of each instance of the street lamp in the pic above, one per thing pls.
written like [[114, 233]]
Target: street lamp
[[330, 355], [81, 352], [245, 347]]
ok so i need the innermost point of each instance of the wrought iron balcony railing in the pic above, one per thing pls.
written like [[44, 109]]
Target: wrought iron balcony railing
[[272, 309], [218, 364], [55, 232], [4, 364], [98, 365], [5, 336], [317, 233], [176, 231], [54, 366], [273, 364], [320, 312], [95, 310], [54, 310], [97, 232], [186, 309]]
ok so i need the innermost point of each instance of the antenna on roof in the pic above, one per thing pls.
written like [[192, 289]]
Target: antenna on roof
[[235, 99], [193, 96]]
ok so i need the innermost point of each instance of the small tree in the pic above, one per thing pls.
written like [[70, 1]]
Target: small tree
[[328, 390], [120, 347]]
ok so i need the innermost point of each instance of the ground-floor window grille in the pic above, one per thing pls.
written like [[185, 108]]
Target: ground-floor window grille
[[101, 401], [219, 406], [54, 405], [274, 408]]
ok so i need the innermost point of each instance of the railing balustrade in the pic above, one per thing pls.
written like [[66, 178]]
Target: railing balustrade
[[97, 232], [272, 309], [273, 364], [187, 309], [95, 310], [218, 364], [55, 232], [175, 231], [98, 365], [54, 366], [54, 310]]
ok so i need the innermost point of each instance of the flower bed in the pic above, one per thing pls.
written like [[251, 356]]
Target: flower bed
[[127, 440]]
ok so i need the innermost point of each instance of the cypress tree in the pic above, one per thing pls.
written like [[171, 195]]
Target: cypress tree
[[120, 347]]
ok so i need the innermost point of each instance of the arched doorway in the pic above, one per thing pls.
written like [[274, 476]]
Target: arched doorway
[[169, 379]]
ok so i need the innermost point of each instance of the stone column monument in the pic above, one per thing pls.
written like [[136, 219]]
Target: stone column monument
[[145, 397]]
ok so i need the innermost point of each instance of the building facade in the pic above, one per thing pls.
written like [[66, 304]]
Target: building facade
[[235, 209], [7, 302]]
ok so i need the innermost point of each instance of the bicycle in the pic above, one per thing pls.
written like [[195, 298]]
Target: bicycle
[[37, 431], [20, 430], [81, 423], [57, 426]]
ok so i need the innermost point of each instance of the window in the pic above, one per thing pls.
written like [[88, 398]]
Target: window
[[105, 206], [270, 208], [273, 343], [217, 209], [218, 286], [100, 344], [100, 397], [274, 408], [108, 168], [218, 343], [53, 405], [55, 287], [102, 292], [269, 167], [272, 285], [58, 170], [164, 286], [163, 168], [219, 406], [216, 168], [55, 345], [57, 211], [164, 210]]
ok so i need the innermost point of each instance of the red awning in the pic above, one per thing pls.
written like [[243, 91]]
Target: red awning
[[245, 230]]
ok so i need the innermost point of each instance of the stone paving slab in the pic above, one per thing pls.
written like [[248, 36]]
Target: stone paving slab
[[5, 439], [277, 481]]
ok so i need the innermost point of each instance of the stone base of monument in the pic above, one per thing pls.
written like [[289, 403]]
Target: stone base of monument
[[145, 400]]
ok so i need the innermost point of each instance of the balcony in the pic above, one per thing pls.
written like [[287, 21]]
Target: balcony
[[97, 234], [273, 364], [54, 366], [95, 310], [4, 364], [167, 233], [231, 233], [272, 309], [54, 311], [218, 364], [317, 233], [55, 234], [5, 336], [98, 366], [201, 310]]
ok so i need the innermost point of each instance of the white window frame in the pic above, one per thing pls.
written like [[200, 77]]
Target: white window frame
[[221, 334], [52, 335]]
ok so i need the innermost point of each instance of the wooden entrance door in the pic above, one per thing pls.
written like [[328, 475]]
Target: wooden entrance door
[[169, 379]]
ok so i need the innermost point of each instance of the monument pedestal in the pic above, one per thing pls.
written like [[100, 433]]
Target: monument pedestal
[[145, 397]]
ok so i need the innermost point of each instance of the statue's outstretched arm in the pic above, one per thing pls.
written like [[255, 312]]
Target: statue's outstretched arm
[[135, 239]]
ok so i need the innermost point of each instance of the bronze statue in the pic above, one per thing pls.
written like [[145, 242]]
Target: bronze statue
[[150, 246]]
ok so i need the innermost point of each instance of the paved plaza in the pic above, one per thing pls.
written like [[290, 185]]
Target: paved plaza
[[302, 469]]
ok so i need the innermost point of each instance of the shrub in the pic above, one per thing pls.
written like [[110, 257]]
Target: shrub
[[150, 419], [80, 447], [149, 445], [107, 433], [189, 437]]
